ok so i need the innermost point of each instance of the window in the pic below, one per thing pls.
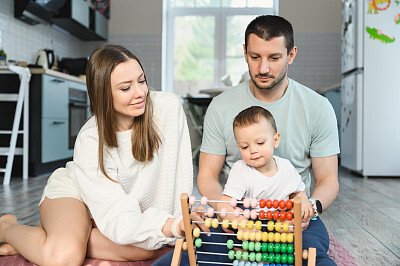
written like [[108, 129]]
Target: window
[[204, 41]]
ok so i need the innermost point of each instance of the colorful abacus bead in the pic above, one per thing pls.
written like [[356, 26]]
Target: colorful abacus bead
[[275, 204], [289, 216], [268, 215], [275, 215], [225, 223], [246, 203], [192, 200], [223, 212], [262, 203], [233, 202], [229, 244], [207, 222], [203, 201], [282, 216], [253, 214], [235, 224], [196, 232], [278, 226], [236, 212], [258, 225], [197, 242], [270, 226], [289, 205], [250, 225], [268, 203], [246, 213], [261, 215], [254, 203], [282, 204], [210, 212], [214, 223], [285, 227]]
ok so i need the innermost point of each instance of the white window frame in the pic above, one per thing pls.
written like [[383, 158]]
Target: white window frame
[[169, 14]]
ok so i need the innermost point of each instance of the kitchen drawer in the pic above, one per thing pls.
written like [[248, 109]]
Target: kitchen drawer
[[54, 97], [55, 140]]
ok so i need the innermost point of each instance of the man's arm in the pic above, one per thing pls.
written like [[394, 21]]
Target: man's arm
[[210, 166], [326, 180]]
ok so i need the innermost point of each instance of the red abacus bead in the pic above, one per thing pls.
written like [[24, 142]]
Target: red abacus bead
[[282, 204], [268, 203], [289, 204], [261, 215], [262, 203], [282, 216], [276, 215], [275, 204], [269, 215], [289, 215]]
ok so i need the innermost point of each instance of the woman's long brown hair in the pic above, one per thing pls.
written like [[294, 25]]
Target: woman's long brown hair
[[145, 138]]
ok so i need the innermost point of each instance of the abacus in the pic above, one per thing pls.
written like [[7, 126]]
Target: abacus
[[264, 248]]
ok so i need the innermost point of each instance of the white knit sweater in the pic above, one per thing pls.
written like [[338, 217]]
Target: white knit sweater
[[135, 210]]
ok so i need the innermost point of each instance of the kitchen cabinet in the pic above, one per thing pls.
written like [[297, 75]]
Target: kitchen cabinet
[[80, 20]]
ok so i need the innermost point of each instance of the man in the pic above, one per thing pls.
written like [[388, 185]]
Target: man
[[306, 121]]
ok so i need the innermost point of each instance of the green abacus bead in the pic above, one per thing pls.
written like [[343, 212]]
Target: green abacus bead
[[277, 248], [265, 257], [257, 246], [252, 257], [258, 256], [271, 257], [278, 258], [238, 255], [284, 248], [290, 259], [290, 249], [251, 246], [245, 245], [197, 242], [284, 258], [264, 247], [271, 247], [245, 255], [231, 254], [229, 244]]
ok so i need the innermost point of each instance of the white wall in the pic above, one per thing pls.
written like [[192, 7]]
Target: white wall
[[21, 41]]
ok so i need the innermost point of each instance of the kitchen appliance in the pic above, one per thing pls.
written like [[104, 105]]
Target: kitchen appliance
[[74, 66], [78, 110], [37, 11], [45, 58], [370, 127]]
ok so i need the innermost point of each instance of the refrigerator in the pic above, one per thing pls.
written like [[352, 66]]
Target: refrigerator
[[370, 109]]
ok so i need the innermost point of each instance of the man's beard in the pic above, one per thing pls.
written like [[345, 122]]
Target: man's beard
[[277, 81]]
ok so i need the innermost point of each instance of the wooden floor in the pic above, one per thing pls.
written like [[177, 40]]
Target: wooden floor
[[365, 217]]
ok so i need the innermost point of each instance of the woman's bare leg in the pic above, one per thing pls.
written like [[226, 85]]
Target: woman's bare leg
[[7, 249], [61, 241], [100, 247]]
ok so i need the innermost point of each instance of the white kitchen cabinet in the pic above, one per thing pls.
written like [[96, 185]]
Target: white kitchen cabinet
[[55, 140]]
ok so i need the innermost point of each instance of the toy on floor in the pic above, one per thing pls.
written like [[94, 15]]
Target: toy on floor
[[268, 247]]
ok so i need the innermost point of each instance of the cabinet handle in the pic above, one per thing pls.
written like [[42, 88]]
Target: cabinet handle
[[58, 122], [58, 80]]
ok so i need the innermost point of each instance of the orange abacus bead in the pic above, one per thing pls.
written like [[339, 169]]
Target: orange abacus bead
[[275, 215], [282, 216], [268, 203], [289, 204], [275, 204], [289, 216], [282, 204], [269, 215], [262, 203], [261, 214]]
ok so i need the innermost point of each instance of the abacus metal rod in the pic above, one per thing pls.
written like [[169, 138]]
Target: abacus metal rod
[[214, 262], [216, 233], [263, 225]]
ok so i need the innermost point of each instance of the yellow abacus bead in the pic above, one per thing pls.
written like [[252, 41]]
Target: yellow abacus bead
[[271, 237], [270, 226], [250, 225], [243, 224], [278, 226], [225, 223], [283, 237], [290, 238], [277, 237], [215, 223], [235, 224], [252, 236], [196, 232], [258, 225], [246, 235], [258, 236], [264, 236], [239, 235], [207, 222], [285, 227]]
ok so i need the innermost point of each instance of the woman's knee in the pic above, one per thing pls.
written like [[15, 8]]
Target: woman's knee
[[137, 254], [60, 255]]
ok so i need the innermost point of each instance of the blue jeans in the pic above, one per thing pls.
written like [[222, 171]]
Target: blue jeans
[[315, 236]]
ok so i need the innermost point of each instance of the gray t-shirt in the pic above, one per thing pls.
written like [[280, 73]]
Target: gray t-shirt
[[305, 120]]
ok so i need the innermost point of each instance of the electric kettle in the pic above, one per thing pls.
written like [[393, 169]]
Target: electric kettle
[[45, 58]]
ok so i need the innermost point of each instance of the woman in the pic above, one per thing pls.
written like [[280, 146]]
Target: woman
[[132, 160]]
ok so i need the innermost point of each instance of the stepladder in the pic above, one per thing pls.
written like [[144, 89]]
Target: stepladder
[[21, 100]]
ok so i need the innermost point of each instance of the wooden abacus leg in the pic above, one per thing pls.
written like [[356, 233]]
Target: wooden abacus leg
[[188, 229], [176, 258], [312, 255], [298, 244]]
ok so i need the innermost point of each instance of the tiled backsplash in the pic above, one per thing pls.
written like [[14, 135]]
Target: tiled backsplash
[[21, 41]]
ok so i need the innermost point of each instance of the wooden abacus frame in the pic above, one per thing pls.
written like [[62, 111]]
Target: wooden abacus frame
[[188, 245]]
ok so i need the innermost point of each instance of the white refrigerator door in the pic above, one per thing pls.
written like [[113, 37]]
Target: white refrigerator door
[[381, 105], [352, 24], [351, 122]]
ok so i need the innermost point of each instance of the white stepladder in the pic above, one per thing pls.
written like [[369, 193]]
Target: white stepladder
[[22, 100]]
